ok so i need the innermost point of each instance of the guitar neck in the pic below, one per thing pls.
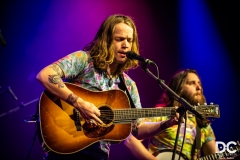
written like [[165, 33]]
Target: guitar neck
[[215, 156], [211, 156], [135, 113]]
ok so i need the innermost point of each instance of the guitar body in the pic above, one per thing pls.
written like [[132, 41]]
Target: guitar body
[[66, 132]]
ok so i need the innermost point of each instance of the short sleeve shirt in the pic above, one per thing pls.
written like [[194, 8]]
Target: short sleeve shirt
[[166, 138], [78, 69]]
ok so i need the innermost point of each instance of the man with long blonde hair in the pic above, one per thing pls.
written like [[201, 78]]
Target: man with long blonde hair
[[98, 68]]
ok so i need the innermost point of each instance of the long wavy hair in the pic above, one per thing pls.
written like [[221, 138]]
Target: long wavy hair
[[101, 48], [176, 84]]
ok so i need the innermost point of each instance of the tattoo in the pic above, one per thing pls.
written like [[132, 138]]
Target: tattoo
[[56, 79], [72, 98], [56, 69]]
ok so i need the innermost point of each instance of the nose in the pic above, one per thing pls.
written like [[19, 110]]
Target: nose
[[199, 87], [125, 44]]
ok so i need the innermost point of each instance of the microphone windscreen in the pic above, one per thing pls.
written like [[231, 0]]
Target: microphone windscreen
[[131, 54]]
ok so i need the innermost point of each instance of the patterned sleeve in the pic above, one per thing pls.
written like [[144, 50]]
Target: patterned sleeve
[[207, 134], [73, 63]]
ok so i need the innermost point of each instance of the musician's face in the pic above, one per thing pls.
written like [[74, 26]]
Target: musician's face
[[122, 42], [192, 90]]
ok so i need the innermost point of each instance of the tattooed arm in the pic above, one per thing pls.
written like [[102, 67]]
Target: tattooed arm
[[51, 78]]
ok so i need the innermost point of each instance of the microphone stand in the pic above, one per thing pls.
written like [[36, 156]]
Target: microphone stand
[[17, 108], [180, 110]]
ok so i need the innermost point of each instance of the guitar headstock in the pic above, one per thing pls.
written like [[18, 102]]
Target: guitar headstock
[[207, 111]]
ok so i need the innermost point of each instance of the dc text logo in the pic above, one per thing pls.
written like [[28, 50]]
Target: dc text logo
[[222, 147]]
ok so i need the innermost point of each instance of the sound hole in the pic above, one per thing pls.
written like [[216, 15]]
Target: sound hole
[[95, 131], [106, 114]]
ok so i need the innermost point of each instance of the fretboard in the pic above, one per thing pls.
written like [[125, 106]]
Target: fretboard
[[134, 113]]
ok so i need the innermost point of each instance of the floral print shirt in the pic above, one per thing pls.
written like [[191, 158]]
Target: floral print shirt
[[166, 138], [78, 69]]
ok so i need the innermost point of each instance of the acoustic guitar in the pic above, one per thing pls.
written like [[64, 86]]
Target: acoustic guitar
[[64, 131]]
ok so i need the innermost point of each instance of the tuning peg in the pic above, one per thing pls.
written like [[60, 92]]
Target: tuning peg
[[211, 103]]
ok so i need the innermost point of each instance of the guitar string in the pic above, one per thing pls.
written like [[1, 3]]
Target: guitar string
[[124, 115]]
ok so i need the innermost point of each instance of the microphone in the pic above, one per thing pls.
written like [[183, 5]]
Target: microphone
[[133, 55], [10, 90], [2, 41]]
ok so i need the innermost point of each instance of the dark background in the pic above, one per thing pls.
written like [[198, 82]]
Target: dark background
[[202, 35]]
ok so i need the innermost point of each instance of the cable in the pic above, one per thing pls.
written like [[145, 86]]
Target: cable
[[31, 145]]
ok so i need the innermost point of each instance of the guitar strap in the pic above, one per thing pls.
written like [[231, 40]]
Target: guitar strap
[[197, 143], [123, 87]]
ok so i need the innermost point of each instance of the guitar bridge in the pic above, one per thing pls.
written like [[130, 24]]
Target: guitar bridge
[[77, 119]]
